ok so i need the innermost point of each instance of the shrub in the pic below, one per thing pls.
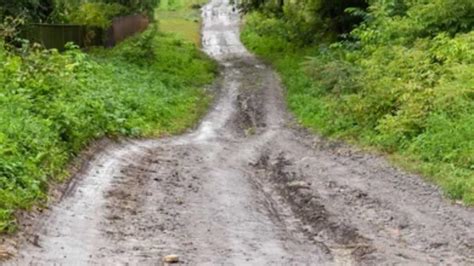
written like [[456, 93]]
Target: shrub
[[403, 82], [53, 104]]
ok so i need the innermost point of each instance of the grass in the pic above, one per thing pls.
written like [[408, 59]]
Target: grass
[[325, 97], [181, 17], [52, 105]]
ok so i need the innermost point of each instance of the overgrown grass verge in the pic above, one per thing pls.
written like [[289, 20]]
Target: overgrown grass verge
[[54, 104], [181, 17], [413, 101]]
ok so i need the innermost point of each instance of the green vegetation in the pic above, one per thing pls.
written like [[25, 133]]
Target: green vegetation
[[181, 17], [86, 12], [95, 14], [54, 104], [306, 22], [402, 81]]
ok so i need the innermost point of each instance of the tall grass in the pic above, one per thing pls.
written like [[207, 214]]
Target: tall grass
[[181, 17]]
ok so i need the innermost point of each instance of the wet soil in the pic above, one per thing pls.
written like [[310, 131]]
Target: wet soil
[[247, 187]]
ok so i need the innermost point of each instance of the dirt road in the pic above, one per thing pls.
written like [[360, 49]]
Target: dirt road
[[247, 187]]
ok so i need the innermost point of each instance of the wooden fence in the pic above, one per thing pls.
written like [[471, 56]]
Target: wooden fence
[[124, 27], [58, 35]]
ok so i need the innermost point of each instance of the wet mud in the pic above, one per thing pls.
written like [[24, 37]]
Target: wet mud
[[246, 187]]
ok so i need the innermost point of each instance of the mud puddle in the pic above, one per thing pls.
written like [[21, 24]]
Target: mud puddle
[[247, 188]]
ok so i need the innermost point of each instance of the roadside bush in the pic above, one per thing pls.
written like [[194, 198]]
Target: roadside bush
[[310, 20], [271, 29], [53, 104], [402, 82]]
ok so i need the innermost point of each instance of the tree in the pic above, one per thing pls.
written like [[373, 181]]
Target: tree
[[32, 10], [138, 6]]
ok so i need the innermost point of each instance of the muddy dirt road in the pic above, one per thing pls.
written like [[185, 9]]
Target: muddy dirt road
[[247, 187]]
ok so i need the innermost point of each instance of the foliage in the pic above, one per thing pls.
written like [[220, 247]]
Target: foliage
[[310, 20], [53, 104], [10, 29], [100, 12], [96, 14], [402, 82], [137, 6], [91, 12], [32, 10]]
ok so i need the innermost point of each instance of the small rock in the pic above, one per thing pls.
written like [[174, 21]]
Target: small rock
[[298, 185], [171, 259], [36, 241], [360, 194]]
